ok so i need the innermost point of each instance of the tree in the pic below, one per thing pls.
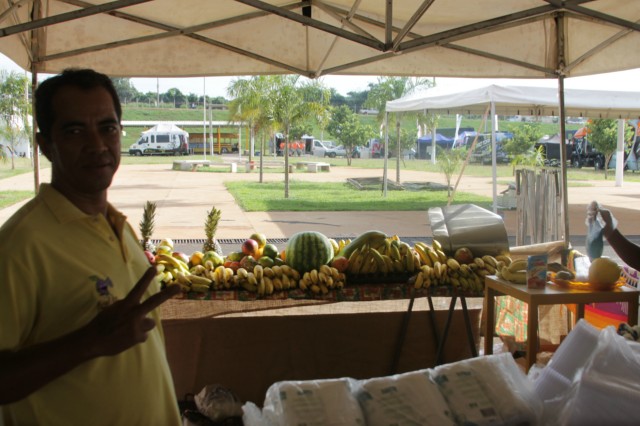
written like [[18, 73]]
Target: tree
[[250, 103], [126, 91], [289, 107], [450, 160], [15, 111], [174, 96], [347, 129], [520, 148], [390, 88], [603, 136]]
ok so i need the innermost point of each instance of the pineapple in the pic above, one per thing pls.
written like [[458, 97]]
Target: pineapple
[[146, 226], [210, 227]]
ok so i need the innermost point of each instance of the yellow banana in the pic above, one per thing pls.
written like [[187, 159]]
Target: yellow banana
[[372, 238], [268, 286], [453, 264], [389, 263], [424, 257], [286, 283], [436, 244], [196, 279], [517, 265], [395, 253], [442, 257], [379, 260], [408, 262], [177, 263], [419, 280], [504, 258], [488, 259], [200, 288], [325, 269], [314, 276], [433, 256]]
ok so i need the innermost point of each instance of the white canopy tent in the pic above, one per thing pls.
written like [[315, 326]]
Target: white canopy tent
[[532, 101]]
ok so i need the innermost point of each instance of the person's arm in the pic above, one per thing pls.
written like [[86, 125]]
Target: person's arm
[[117, 328], [628, 251]]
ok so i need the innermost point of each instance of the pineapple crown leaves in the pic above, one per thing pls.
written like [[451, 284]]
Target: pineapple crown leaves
[[147, 221], [211, 223]]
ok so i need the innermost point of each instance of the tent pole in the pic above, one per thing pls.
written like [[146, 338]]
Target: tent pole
[[620, 160], [563, 159], [494, 166], [34, 129], [386, 150]]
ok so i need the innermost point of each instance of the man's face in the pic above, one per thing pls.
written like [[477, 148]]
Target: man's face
[[84, 145]]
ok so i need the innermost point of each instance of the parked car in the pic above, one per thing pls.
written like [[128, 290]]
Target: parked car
[[338, 151]]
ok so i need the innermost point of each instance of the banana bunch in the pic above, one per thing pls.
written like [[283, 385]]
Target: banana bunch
[[390, 255], [275, 278], [342, 243], [468, 277], [430, 254], [173, 271], [516, 271], [320, 281]]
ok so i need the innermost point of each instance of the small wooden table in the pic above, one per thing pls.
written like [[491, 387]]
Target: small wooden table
[[550, 295]]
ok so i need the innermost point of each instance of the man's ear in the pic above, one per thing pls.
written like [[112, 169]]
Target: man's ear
[[44, 145]]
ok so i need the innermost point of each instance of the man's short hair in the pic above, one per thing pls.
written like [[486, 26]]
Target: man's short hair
[[81, 78]]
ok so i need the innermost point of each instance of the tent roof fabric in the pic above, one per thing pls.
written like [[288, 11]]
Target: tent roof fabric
[[452, 38], [165, 128], [522, 100]]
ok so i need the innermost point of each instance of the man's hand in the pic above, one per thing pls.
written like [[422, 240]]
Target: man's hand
[[595, 211], [125, 323]]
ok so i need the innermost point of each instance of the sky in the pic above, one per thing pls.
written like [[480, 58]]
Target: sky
[[217, 86]]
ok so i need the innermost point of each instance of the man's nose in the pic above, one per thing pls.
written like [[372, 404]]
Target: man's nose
[[96, 140]]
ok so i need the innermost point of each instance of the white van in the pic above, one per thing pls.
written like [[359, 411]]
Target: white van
[[162, 139]]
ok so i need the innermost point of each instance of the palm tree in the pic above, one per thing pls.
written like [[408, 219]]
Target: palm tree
[[290, 106], [250, 103], [388, 89]]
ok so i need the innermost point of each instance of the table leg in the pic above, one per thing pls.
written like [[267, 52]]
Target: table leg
[[632, 311], [579, 311], [401, 336], [445, 333], [532, 335], [489, 324], [467, 322], [434, 326]]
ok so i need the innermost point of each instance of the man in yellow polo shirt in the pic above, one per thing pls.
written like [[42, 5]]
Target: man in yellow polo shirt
[[80, 338]]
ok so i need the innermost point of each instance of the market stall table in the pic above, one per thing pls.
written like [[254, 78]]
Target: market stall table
[[247, 343], [550, 295]]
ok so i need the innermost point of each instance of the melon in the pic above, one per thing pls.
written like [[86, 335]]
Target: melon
[[603, 273], [308, 250]]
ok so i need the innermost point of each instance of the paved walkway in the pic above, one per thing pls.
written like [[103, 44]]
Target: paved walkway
[[184, 197]]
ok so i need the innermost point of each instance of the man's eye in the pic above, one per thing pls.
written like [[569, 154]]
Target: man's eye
[[73, 131], [111, 129]]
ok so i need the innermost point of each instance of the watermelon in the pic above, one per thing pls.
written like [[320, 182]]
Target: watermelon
[[308, 250]]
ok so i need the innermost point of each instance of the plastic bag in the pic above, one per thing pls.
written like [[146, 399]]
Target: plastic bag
[[594, 243], [403, 399], [489, 390], [312, 403]]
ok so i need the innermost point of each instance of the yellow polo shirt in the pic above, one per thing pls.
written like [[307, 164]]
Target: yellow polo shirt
[[58, 268]]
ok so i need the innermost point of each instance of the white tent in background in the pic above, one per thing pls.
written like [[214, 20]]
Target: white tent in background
[[527, 100]]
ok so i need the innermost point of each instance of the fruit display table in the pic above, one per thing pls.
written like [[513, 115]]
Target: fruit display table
[[550, 295], [248, 343]]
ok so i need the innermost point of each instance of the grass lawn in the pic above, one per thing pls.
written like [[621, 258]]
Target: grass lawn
[[314, 196], [8, 198]]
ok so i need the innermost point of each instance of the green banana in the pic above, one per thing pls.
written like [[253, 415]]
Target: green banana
[[370, 238]]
